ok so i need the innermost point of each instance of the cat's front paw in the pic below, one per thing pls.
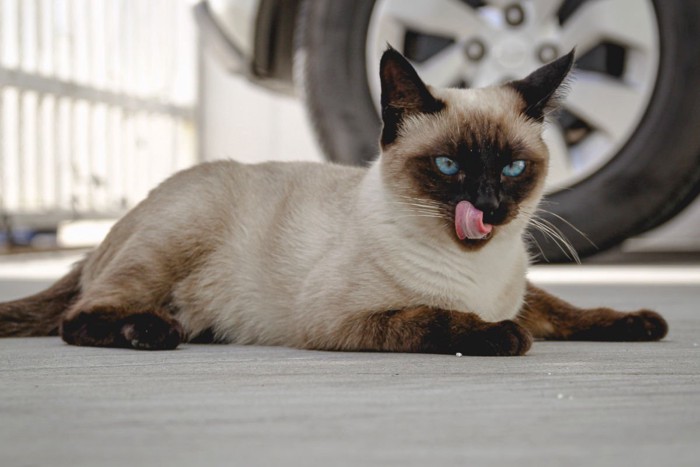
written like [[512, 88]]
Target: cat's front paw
[[505, 338], [642, 325], [148, 331]]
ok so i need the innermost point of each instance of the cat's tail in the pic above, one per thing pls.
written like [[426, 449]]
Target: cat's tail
[[40, 314]]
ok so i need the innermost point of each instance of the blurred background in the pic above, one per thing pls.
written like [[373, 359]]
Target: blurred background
[[100, 100], [98, 104]]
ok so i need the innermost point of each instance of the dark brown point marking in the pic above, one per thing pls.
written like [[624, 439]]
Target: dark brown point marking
[[432, 330], [541, 89], [40, 314], [549, 317], [206, 337], [403, 94], [116, 328]]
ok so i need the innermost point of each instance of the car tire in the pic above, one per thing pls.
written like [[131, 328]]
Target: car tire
[[648, 181]]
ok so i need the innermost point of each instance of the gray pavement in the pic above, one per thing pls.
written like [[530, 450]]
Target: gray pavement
[[613, 404]]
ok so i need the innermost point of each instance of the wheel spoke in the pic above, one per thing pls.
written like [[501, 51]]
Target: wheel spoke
[[560, 168], [386, 31], [488, 73], [545, 11], [445, 68], [591, 153], [605, 103], [449, 18], [629, 23]]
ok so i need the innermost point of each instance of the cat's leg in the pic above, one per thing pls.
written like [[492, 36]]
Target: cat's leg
[[549, 317], [428, 330], [125, 307]]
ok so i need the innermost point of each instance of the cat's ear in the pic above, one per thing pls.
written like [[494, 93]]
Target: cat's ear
[[543, 88], [403, 94]]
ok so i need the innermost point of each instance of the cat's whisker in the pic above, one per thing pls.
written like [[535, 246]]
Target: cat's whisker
[[421, 201], [422, 206], [418, 215], [546, 228], [413, 198], [570, 225], [537, 244], [416, 201], [550, 230], [425, 214], [417, 211], [420, 211], [563, 247]]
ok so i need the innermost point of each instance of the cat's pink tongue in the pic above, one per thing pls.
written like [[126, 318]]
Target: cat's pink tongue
[[469, 222]]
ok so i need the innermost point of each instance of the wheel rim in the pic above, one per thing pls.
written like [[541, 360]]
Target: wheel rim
[[476, 43]]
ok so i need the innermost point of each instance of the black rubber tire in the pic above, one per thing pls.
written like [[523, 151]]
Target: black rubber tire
[[653, 177], [329, 64]]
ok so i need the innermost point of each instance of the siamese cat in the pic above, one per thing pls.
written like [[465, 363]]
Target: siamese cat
[[423, 251]]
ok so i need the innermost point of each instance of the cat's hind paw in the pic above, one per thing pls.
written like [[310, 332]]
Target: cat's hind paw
[[642, 325]]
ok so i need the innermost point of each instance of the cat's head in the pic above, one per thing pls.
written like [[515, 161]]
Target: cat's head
[[471, 159]]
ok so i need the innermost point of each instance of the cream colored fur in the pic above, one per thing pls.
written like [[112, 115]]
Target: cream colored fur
[[284, 253]]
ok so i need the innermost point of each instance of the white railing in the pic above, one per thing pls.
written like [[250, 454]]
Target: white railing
[[97, 104]]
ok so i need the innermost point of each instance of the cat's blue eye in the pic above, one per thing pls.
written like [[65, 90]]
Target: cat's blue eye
[[514, 169], [447, 165]]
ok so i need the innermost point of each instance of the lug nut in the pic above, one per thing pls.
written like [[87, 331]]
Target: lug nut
[[547, 53], [515, 15], [475, 50]]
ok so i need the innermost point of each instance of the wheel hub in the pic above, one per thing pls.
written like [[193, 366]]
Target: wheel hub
[[510, 54]]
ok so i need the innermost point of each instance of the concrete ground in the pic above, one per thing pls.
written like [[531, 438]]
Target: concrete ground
[[613, 404]]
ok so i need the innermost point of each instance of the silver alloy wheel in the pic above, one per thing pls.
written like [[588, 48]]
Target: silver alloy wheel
[[479, 43]]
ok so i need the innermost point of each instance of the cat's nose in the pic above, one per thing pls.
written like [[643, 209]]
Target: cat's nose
[[487, 203]]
